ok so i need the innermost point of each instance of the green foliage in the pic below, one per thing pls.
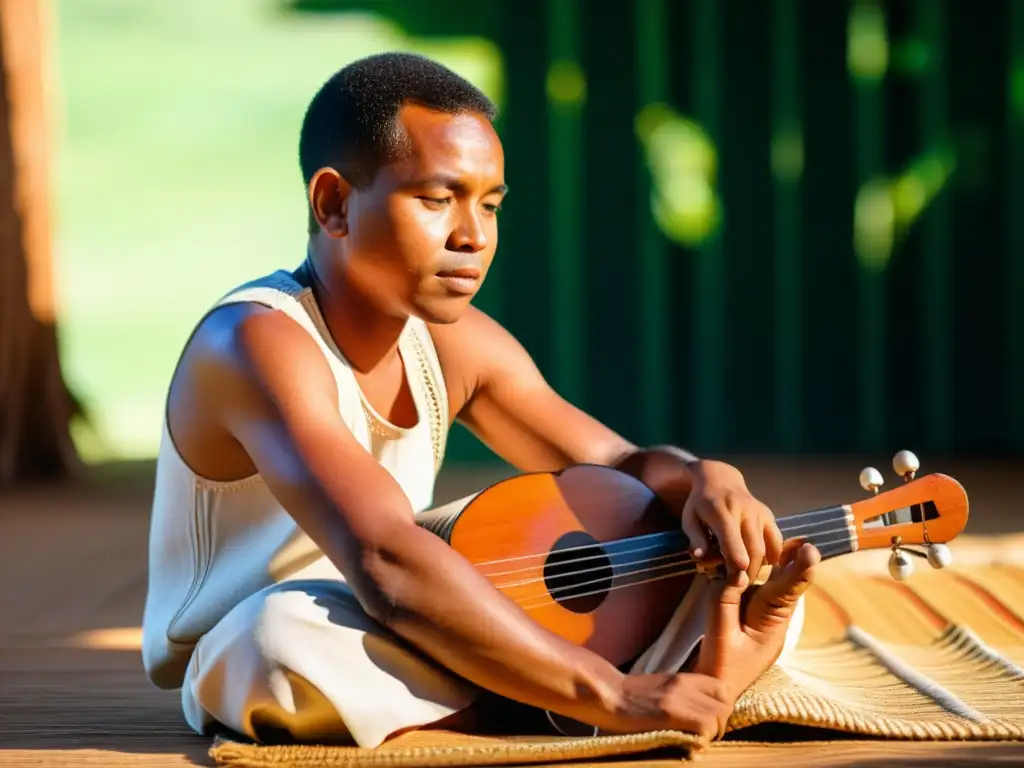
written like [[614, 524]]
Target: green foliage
[[176, 175]]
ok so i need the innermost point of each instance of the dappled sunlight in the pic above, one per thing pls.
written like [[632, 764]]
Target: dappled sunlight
[[886, 208], [867, 53], [106, 639], [787, 154], [683, 163], [566, 83]]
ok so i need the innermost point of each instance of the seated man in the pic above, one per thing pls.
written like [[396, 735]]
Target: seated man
[[291, 590]]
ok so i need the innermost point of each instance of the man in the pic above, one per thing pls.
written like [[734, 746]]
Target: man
[[291, 591]]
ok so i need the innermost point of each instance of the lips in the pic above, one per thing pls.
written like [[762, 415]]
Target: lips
[[462, 281], [469, 273]]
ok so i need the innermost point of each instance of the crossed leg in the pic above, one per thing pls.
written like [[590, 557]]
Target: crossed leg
[[301, 660]]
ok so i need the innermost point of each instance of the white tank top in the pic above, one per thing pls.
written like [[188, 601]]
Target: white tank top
[[212, 544]]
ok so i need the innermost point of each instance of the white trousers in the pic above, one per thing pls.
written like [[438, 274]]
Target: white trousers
[[302, 659]]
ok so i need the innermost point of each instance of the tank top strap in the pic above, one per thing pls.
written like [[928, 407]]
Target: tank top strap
[[281, 291], [418, 346]]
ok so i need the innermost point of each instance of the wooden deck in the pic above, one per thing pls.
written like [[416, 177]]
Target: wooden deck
[[73, 566]]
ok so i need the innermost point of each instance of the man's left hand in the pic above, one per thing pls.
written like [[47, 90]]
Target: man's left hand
[[744, 528]]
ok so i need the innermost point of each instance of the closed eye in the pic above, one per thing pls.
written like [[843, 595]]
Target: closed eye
[[437, 200]]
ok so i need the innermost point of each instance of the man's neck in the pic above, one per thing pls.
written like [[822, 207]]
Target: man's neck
[[366, 336]]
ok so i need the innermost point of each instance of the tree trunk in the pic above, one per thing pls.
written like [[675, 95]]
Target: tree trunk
[[36, 407]]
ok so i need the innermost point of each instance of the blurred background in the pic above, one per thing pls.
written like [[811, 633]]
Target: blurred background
[[773, 228]]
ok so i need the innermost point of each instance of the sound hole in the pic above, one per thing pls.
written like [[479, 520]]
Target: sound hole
[[578, 572]]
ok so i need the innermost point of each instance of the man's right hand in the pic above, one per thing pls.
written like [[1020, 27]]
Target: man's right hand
[[691, 703]]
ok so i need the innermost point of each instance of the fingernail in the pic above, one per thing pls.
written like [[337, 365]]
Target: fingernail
[[698, 552]]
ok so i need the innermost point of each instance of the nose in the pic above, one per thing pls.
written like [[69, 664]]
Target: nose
[[468, 236]]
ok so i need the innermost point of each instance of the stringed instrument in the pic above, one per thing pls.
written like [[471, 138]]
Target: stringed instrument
[[593, 555]]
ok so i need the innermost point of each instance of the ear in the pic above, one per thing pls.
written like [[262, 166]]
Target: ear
[[328, 200]]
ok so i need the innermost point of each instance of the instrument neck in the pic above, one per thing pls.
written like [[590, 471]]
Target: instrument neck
[[830, 529]]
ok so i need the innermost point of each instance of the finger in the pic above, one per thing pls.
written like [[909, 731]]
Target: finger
[[752, 531], [776, 600], [716, 716], [715, 702], [789, 550], [806, 559], [694, 531], [730, 538], [798, 572], [703, 723], [773, 541]]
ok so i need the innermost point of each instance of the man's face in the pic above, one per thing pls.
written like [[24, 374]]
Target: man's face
[[421, 238]]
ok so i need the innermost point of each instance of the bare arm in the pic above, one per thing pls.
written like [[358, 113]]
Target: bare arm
[[278, 400], [507, 403]]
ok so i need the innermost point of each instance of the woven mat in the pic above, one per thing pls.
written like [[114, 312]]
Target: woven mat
[[936, 658]]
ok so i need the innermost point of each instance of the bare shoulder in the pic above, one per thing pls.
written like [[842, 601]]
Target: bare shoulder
[[476, 335], [477, 349], [239, 356]]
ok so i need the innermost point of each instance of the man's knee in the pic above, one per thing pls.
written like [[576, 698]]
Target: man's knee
[[252, 655], [302, 616]]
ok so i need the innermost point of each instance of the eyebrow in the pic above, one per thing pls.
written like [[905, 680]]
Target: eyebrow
[[454, 184]]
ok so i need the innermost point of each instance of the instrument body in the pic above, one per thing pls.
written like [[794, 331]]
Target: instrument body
[[519, 531], [593, 555]]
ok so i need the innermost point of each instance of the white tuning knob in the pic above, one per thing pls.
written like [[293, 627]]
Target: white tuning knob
[[905, 464], [900, 566], [939, 555], [871, 479]]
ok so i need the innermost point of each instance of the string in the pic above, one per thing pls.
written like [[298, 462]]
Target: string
[[604, 567], [568, 587], [545, 600], [558, 590], [620, 552], [659, 534], [783, 527], [599, 556]]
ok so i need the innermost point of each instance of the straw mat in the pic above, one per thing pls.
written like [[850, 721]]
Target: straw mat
[[936, 658]]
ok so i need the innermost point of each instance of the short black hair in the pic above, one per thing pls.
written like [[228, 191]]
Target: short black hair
[[351, 123]]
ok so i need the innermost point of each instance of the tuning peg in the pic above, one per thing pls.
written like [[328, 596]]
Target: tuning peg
[[905, 464], [939, 555], [871, 479], [900, 566]]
